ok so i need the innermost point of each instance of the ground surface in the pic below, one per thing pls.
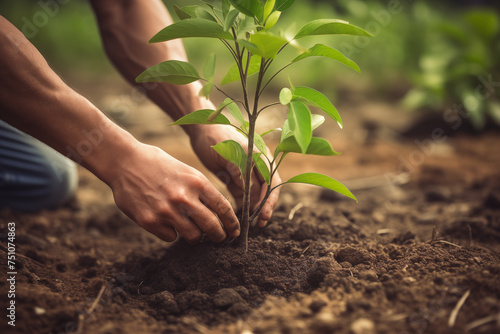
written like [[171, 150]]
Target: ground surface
[[424, 235]]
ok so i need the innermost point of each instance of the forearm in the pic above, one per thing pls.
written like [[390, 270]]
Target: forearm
[[126, 26], [35, 100]]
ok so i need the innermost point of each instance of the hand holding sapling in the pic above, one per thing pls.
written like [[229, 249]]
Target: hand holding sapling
[[243, 26]]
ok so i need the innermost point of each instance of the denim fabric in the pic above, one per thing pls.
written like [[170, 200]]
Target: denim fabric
[[33, 176]]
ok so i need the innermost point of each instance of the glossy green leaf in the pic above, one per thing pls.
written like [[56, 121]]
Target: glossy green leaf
[[266, 44], [330, 27], [232, 151], [172, 71], [272, 20], [282, 5], [226, 5], [201, 117], [230, 18], [191, 28], [262, 167], [320, 50], [318, 146], [286, 132], [219, 109], [268, 8], [317, 99], [249, 7], [236, 112], [316, 121], [299, 120], [209, 68], [233, 74], [193, 12], [259, 142], [286, 96], [322, 181]]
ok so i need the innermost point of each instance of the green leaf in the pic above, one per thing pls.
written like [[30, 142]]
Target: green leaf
[[230, 18], [316, 121], [182, 15], [268, 8], [259, 142], [286, 132], [330, 27], [193, 12], [206, 89], [322, 181], [266, 44], [272, 20], [269, 131], [232, 151], [282, 5], [191, 28], [320, 50], [219, 109], [252, 8], [299, 120], [236, 112], [209, 68], [172, 71], [262, 167], [286, 96], [317, 99], [318, 146], [201, 117], [233, 73], [226, 5]]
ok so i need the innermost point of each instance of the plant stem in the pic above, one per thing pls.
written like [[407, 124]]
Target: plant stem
[[252, 120]]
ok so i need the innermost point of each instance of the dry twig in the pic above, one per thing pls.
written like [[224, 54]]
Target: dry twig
[[456, 309], [294, 210]]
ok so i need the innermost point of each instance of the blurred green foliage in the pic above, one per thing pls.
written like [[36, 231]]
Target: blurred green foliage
[[436, 52], [459, 63]]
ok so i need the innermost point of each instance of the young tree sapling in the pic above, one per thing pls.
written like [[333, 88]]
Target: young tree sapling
[[245, 29]]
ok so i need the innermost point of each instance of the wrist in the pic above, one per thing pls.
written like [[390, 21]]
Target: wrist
[[112, 154]]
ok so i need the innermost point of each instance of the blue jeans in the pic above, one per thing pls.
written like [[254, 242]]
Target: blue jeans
[[33, 176]]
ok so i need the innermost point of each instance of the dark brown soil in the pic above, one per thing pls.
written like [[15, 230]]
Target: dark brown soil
[[397, 262]]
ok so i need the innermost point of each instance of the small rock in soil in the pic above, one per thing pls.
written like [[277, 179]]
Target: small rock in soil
[[193, 299], [87, 261], [353, 255], [493, 200], [304, 232], [440, 194], [317, 305], [164, 300], [239, 309], [321, 268], [226, 297], [363, 326]]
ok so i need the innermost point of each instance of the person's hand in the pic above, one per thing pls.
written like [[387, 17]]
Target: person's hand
[[164, 196], [229, 173]]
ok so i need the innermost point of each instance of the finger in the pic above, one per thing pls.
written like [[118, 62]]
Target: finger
[[162, 231], [214, 200], [208, 222], [268, 208], [187, 228]]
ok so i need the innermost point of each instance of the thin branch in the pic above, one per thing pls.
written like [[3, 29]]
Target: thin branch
[[268, 106], [274, 76]]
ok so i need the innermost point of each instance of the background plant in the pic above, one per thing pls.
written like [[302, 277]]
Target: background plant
[[245, 29]]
